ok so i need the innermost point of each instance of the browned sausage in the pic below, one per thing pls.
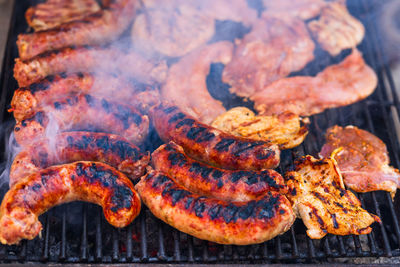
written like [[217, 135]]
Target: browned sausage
[[84, 180], [211, 145], [84, 112], [74, 146], [239, 223], [241, 185]]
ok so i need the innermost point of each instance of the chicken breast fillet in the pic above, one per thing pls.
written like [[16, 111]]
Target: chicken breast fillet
[[317, 193], [285, 129], [362, 159]]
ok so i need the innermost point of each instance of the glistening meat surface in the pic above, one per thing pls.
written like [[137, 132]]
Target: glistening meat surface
[[338, 85], [239, 223], [205, 180], [83, 180], [211, 145], [362, 159]]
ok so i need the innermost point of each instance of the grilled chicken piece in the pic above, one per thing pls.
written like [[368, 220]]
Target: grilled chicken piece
[[274, 48], [171, 30], [303, 9], [101, 27], [284, 129], [318, 196], [186, 82], [93, 182], [338, 85], [27, 100], [68, 60], [362, 159], [53, 13], [336, 29]]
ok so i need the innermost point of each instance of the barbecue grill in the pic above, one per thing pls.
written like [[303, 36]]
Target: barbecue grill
[[78, 232]]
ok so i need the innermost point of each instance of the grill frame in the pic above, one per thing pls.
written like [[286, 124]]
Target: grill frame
[[149, 240]]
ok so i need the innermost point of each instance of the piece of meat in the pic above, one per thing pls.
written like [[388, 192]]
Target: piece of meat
[[68, 147], [98, 28], [318, 196], [27, 100], [172, 31], [284, 129], [85, 59], [239, 223], [186, 82], [303, 9], [211, 145], [213, 182], [53, 13], [362, 159], [274, 48], [83, 180], [83, 113], [336, 29], [338, 85]]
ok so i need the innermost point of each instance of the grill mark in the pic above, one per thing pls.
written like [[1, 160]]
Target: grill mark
[[213, 212], [242, 147], [224, 144], [187, 121], [176, 117], [318, 195], [335, 223], [199, 207], [247, 210], [36, 87], [105, 105], [195, 131], [159, 180], [266, 177], [319, 219], [170, 110], [265, 154], [176, 159], [230, 213]]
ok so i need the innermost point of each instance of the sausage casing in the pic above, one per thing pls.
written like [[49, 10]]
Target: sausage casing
[[211, 145], [74, 146], [83, 112], [240, 185], [84, 180], [239, 223]]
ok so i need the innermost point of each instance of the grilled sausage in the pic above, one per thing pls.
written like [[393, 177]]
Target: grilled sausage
[[239, 223], [211, 145], [214, 182], [74, 146], [27, 100], [84, 180], [131, 65], [83, 112], [98, 28]]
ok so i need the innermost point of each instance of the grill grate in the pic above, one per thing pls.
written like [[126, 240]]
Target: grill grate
[[77, 232]]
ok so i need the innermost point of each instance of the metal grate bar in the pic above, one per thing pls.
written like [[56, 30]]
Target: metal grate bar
[[99, 243], [84, 241], [115, 243], [45, 255], [63, 235], [161, 250], [177, 250], [143, 237]]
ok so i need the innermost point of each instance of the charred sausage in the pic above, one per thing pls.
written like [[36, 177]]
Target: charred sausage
[[89, 59], [83, 112], [101, 27], [84, 180], [239, 223], [240, 185], [27, 100], [74, 146], [211, 145]]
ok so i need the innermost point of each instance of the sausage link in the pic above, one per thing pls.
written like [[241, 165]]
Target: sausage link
[[205, 180], [211, 145], [74, 146], [98, 28], [86, 181], [239, 223], [83, 112]]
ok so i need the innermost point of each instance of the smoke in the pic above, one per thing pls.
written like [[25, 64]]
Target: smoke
[[11, 150]]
